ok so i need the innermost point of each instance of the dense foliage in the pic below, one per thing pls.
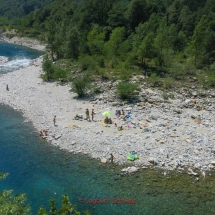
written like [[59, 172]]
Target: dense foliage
[[18, 8], [66, 208], [17, 204], [124, 37], [12, 204]]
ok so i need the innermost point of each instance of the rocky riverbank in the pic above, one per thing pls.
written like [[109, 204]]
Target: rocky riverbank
[[171, 134], [23, 41]]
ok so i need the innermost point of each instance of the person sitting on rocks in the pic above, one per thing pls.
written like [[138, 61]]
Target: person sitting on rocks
[[106, 121], [110, 121], [120, 128], [45, 132]]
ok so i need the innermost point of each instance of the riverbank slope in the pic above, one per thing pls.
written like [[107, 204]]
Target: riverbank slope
[[167, 135]]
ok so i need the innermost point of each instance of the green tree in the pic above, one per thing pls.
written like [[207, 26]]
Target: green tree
[[163, 42], [186, 21], [95, 41], [72, 48], [143, 29], [146, 48], [13, 205], [66, 208], [137, 12], [174, 12], [115, 43], [198, 42], [117, 15], [47, 68]]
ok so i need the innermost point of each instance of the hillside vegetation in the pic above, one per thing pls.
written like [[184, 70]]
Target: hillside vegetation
[[170, 41]]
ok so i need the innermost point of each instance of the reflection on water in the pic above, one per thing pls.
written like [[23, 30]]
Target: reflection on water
[[43, 172]]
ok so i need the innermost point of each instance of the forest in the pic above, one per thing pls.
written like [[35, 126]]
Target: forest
[[168, 40]]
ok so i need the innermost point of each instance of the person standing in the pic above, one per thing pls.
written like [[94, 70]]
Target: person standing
[[87, 114], [54, 120], [93, 113], [7, 88], [111, 158]]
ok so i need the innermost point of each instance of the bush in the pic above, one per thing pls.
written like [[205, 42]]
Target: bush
[[154, 80], [202, 80], [212, 67], [211, 80], [165, 96], [96, 90], [48, 68], [126, 90], [190, 69], [86, 62], [66, 208], [101, 62], [59, 73], [80, 85], [177, 72], [168, 83]]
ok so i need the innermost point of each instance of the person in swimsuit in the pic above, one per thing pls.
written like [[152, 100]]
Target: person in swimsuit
[[93, 113], [54, 120], [87, 114]]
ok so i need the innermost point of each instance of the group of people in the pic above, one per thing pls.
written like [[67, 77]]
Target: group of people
[[43, 132], [120, 113], [87, 112], [108, 120]]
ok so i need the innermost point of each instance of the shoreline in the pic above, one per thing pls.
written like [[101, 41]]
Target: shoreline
[[40, 101], [171, 140], [23, 41]]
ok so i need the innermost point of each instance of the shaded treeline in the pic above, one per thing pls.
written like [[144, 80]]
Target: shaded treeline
[[162, 36]]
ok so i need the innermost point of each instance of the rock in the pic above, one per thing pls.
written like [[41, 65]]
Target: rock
[[188, 140], [161, 141], [141, 104], [194, 93], [197, 121], [187, 101], [213, 137], [151, 160], [211, 166], [212, 162], [57, 136], [73, 143], [178, 111], [190, 172], [193, 101], [103, 160], [197, 165], [131, 169], [128, 109]]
